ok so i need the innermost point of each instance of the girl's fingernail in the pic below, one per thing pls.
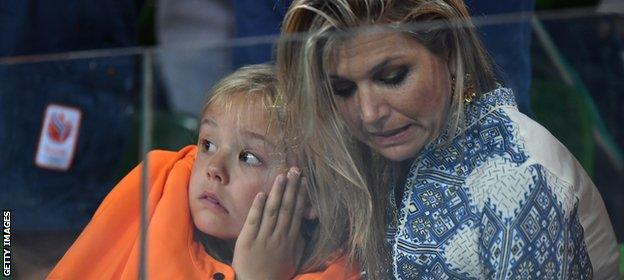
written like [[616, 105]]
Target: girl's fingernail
[[294, 171]]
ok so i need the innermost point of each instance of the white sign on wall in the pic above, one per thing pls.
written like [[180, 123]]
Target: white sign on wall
[[58, 137]]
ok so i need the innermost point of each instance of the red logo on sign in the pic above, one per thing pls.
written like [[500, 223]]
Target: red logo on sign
[[59, 128]]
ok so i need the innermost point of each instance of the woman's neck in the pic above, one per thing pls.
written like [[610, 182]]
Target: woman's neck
[[402, 171]]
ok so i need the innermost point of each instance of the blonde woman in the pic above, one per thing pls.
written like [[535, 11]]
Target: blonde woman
[[472, 188]]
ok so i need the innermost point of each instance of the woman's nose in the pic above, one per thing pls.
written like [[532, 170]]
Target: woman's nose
[[372, 106], [217, 170]]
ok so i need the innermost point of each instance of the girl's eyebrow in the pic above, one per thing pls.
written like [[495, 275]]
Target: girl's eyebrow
[[258, 136], [246, 133], [208, 121]]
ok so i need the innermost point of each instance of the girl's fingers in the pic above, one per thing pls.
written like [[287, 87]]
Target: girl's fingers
[[299, 210], [254, 218], [289, 201], [272, 206]]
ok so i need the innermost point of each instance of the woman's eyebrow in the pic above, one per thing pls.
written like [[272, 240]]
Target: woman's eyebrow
[[372, 71], [382, 65]]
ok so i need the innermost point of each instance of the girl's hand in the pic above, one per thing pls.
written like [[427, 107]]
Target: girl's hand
[[270, 244]]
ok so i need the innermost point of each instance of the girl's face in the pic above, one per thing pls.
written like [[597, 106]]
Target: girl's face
[[392, 91], [236, 159]]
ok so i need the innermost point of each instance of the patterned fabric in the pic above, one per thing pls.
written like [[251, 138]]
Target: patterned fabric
[[478, 207]]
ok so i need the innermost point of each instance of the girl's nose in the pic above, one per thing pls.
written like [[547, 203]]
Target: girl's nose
[[217, 170]]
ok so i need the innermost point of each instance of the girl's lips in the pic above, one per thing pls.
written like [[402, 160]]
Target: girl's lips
[[211, 201], [392, 137]]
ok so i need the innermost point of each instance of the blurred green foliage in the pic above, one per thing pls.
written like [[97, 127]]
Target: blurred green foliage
[[561, 110]]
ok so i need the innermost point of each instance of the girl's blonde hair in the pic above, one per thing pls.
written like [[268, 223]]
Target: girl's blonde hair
[[253, 82], [303, 67], [257, 83]]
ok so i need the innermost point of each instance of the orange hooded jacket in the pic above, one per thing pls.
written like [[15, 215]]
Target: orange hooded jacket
[[108, 248]]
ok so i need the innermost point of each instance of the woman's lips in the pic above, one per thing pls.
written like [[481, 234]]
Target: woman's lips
[[211, 201], [392, 137]]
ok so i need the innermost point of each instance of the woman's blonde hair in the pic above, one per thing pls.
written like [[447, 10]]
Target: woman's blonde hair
[[313, 30], [258, 85]]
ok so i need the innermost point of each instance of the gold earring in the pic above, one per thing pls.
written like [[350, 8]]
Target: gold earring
[[452, 84], [469, 91]]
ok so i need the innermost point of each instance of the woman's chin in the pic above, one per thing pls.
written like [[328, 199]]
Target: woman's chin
[[400, 153]]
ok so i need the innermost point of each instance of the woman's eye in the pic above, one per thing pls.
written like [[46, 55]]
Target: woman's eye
[[392, 77], [208, 146], [343, 88], [249, 158]]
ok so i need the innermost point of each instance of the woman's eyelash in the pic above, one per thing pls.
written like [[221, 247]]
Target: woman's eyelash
[[392, 77], [343, 88]]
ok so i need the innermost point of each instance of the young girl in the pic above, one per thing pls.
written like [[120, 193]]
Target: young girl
[[223, 209]]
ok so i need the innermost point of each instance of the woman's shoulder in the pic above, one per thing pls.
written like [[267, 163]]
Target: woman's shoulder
[[550, 187], [533, 161], [516, 157], [542, 148], [498, 123]]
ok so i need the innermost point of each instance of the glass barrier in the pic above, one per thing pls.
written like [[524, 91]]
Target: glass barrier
[[74, 124]]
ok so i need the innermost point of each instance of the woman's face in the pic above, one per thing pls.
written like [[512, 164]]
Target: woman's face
[[392, 92]]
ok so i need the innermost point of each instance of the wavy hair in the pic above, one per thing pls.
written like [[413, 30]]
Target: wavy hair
[[313, 30]]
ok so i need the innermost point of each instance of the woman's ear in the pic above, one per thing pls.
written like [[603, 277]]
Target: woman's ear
[[451, 62]]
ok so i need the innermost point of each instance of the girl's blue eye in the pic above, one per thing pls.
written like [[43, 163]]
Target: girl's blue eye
[[249, 158], [208, 146]]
